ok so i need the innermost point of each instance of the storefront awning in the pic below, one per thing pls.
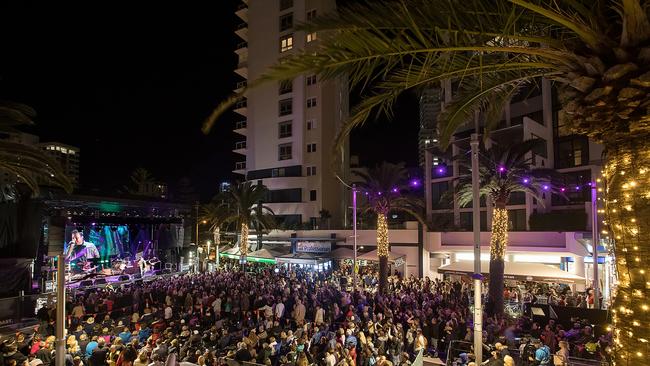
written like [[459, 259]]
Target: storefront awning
[[519, 271], [342, 253]]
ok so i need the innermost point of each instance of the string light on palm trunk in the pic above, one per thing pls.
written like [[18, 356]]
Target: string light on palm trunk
[[382, 236], [626, 181], [499, 239]]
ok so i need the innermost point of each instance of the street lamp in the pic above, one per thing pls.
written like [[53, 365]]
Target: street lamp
[[476, 218]]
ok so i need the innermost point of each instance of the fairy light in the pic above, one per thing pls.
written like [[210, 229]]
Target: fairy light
[[382, 236], [243, 247], [499, 239], [645, 307]]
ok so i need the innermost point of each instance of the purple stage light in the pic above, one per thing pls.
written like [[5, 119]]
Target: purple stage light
[[395, 190], [562, 189], [378, 193], [502, 169], [441, 170], [93, 224], [415, 183], [546, 187], [526, 180], [577, 188]]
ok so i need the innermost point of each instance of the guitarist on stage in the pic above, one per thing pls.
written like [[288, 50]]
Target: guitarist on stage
[[80, 251]]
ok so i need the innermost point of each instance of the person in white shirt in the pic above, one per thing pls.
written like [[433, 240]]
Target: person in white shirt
[[319, 316], [168, 312], [216, 305], [279, 310]]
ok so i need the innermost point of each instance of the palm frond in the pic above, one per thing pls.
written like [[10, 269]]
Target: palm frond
[[32, 166]]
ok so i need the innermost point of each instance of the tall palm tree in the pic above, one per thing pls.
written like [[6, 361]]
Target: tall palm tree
[[385, 187], [596, 51], [503, 170], [245, 202], [217, 214], [139, 178], [29, 164]]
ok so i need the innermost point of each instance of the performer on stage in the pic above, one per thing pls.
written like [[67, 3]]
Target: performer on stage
[[79, 250]]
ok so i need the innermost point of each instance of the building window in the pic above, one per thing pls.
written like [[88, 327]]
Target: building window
[[540, 148], [312, 195], [285, 4], [311, 80], [286, 22], [311, 170], [284, 151], [284, 129], [278, 172], [517, 220], [286, 86], [240, 165], [311, 37], [311, 124], [311, 102], [311, 147], [311, 15], [286, 107], [286, 43], [572, 151]]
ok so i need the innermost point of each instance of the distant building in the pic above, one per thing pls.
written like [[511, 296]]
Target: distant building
[[67, 156], [152, 189]]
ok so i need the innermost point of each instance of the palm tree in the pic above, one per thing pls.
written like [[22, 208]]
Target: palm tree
[[217, 214], [384, 186], [29, 164], [595, 51], [503, 170], [245, 202], [140, 178]]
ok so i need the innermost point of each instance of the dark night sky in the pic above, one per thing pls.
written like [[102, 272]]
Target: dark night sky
[[131, 88]]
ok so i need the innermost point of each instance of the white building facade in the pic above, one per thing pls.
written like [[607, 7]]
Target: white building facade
[[287, 128]]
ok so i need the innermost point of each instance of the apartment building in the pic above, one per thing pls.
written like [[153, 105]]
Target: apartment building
[[287, 128]]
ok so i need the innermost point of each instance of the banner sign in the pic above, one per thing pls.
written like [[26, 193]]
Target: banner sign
[[313, 247]]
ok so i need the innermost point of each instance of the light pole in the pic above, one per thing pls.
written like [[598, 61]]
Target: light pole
[[60, 310], [594, 242], [476, 223], [354, 233]]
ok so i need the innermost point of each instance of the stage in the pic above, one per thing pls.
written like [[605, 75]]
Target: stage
[[99, 280]]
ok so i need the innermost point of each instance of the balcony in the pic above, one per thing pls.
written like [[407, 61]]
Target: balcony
[[242, 31], [239, 87], [242, 12], [242, 69], [240, 147], [240, 127], [240, 107], [240, 168]]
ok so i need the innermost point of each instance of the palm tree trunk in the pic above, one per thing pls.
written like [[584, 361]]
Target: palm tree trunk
[[498, 244], [243, 241], [383, 247], [627, 176]]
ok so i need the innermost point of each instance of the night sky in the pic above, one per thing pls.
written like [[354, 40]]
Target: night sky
[[131, 87]]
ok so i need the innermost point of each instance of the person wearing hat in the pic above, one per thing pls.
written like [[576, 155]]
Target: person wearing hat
[[89, 326]]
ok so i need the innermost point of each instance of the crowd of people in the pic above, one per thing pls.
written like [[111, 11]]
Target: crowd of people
[[277, 316]]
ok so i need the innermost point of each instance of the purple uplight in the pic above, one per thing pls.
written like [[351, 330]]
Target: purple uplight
[[546, 187], [502, 169], [590, 184], [366, 193], [526, 180], [441, 170], [415, 183], [395, 190], [562, 189], [577, 188]]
